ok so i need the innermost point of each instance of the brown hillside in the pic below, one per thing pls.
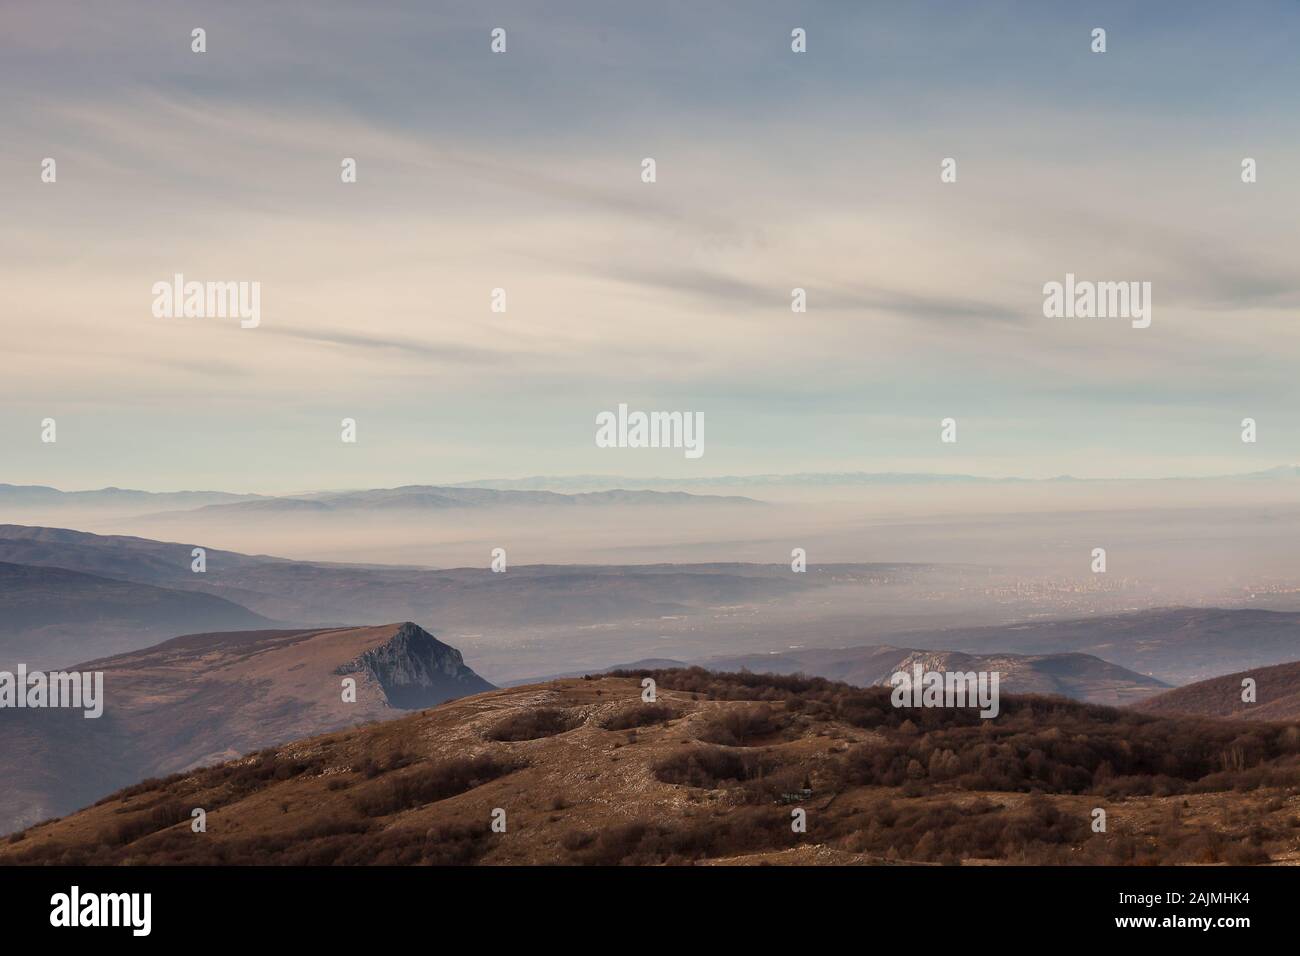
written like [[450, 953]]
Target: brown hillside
[[1277, 696], [588, 774]]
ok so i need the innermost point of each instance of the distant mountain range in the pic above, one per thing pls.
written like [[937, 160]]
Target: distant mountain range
[[203, 698], [1077, 676], [570, 483], [27, 498], [573, 483], [431, 497], [1277, 696], [535, 491], [42, 496]]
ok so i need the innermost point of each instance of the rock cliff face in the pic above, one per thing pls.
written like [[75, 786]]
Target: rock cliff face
[[416, 670]]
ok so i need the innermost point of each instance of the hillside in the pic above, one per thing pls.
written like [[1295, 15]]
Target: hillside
[[586, 773], [119, 556], [1277, 696], [1175, 645], [1077, 676], [51, 616], [208, 697]]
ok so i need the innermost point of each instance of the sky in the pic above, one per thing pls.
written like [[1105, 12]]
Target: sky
[[522, 171]]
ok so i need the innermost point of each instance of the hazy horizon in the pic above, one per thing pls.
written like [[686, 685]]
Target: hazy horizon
[[792, 477]]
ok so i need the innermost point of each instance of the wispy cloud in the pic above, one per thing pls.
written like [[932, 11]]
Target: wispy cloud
[[522, 172]]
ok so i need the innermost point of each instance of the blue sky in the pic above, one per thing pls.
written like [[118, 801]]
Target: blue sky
[[521, 171]]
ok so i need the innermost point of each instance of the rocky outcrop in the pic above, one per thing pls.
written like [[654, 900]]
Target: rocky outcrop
[[416, 670]]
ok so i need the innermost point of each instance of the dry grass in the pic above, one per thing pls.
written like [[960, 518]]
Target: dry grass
[[713, 772]]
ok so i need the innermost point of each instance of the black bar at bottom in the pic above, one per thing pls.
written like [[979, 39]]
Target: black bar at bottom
[[233, 905]]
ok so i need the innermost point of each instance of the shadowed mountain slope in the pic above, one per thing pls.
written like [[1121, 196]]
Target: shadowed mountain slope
[[50, 616]]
